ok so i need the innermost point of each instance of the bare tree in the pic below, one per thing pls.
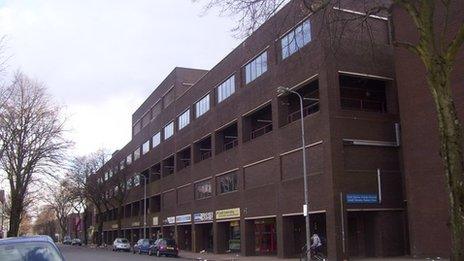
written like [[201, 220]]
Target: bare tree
[[87, 187], [31, 135], [45, 223], [437, 47], [60, 201]]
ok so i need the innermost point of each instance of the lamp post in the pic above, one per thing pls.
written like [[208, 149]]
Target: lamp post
[[284, 90], [144, 205]]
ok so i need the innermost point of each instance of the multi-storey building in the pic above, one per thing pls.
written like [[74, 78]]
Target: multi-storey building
[[221, 150]]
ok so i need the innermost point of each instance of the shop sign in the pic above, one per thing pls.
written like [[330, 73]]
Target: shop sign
[[114, 226], [155, 221], [135, 224], [170, 220], [361, 198], [228, 213], [200, 217], [184, 218]]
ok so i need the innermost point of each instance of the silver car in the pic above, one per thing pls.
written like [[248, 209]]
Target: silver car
[[121, 244]]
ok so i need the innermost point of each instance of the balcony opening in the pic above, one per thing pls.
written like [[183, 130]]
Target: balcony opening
[[227, 138], [155, 172], [362, 94], [289, 104], [135, 209], [128, 211], [155, 204], [146, 176], [257, 123], [184, 158], [203, 149], [168, 166]]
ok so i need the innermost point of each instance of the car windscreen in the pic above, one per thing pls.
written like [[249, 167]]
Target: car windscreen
[[125, 241], [29, 251]]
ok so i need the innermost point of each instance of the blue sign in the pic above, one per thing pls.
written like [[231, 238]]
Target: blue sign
[[361, 198]]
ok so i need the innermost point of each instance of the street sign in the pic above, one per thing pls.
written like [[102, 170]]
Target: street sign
[[305, 210], [359, 198]]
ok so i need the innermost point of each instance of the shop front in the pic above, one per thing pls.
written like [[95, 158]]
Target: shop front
[[169, 228], [203, 236], [184, 232], [265, 236], [228, 230]]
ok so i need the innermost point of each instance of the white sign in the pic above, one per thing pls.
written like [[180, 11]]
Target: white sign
[[199, 217], [184, 218], [305, 210], [170, 220], [155, 221]]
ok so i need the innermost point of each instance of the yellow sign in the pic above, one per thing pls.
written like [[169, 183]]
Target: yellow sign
[[228, 213], [114, 226]]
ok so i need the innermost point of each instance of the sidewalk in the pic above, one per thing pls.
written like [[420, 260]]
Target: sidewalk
[[233, 257]]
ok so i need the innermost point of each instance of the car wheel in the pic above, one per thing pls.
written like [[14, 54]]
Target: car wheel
[[158, 254]]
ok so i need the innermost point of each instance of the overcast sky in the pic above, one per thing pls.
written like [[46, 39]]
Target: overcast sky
[[101, 58]]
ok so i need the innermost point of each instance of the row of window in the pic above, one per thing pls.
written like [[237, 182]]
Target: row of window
[[290, 43]]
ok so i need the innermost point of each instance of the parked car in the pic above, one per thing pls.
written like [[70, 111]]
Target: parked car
[[29, 248], [164, 246], [121, 244], [143, 246], [76, 242], [67, 240]]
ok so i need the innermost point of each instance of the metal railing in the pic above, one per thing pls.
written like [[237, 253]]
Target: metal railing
[[229, 145], [310, 109], [205, 154], [261, 131], [363, 104]]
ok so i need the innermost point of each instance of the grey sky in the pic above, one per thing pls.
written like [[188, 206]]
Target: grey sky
[[101, 58]]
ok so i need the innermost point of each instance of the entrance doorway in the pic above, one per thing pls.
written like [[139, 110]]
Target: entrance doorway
[[155, 232], [294, 233], [168, 231], [204, 237], [184, 237], [228, 236], [265, 236]]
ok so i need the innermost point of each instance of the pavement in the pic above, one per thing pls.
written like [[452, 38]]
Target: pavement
[[83, 253]]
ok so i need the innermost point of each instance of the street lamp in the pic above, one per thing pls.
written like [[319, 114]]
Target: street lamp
[[284, 90], [144, 205]]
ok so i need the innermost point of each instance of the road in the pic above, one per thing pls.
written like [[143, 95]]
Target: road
[[76, 253]]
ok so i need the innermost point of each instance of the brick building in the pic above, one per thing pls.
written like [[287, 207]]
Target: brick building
[[221, 151]]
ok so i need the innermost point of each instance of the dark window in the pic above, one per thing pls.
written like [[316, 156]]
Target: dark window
[[203, 149], [203, 189], [289, 103], [227, 138], [169, 97], [257, 123], [226, 183], [363, 94]]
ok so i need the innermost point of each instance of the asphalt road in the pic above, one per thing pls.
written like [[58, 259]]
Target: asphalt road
[[76, 253]]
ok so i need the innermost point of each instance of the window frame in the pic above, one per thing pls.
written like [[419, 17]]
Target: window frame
[[164, 130], [248, 64], [208, 95], [202, 182], [179, 119], [286, 49], [232, 87], [153, 144]]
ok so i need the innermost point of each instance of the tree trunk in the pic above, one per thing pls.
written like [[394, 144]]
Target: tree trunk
[[15, 217], [84, 225], [451, 152]]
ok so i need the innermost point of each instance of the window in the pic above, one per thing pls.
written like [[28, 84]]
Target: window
[[295, 39], [156, 110], [169, 97], [136, 128], [136, 154], [146, 147], [202, 106], [169, 130], [156, 140], [184, 119], [226, 89], [256, 67], [203, 189], [129, 159], [136, 180], [226, 183], [145, 119], [129, 183], [121, 165]]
